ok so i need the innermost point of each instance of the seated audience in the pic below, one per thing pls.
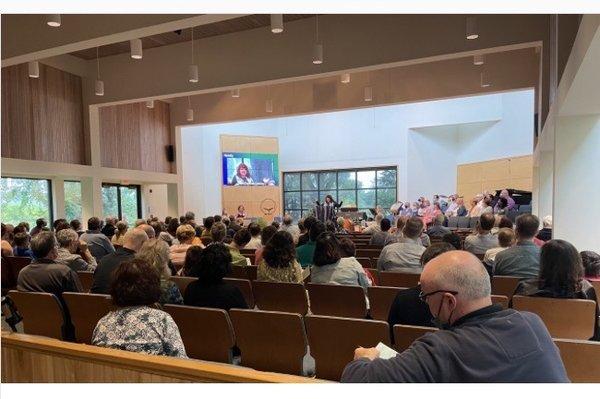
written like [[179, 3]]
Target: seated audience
[[476, 206], [591, 265], [43, 274], [210, 290], [510, 202], [304, 226], [505, 222], [76, 225], [254, 229], [240, 240], [348, 250], [397, 231], [185, 235], [97, 242], [207, 224], [506, 239], [330, 226], [545, 233], [218, 232], [405, 255], [329, 267], [375, 226], [109, 227], [279, 262], [484, 239], [21, 247], [40, 224], [150, 232], [478, 341], [290, 228], [501, 207], [458, 209], [120, 230], [156, 254], [73, 252], [136, 325], [305, 253], [438, 229], [134, 239], [192, 257], [170, 234], [407, 307], [487, 204], [453, 239], [265, 236], [523, 259], [383, 236], [7, 249], [60, 224]]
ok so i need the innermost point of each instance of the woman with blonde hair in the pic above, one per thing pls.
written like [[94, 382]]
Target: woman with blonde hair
[[120, 230], [156, 253], [185, 235]]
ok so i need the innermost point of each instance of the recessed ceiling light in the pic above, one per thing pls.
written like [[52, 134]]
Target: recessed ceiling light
[[53, 20], [136, 48], [478, 59], [33, 68], [472, 33], [276, 23]]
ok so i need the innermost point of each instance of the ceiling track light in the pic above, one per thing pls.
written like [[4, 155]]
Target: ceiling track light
[[345, 78], [99, 84], [472, 33], [318, 47], [150, 104], [478, 59], [235, 93], [53, 20], [484, 80], [193, 68], [276, 23], [136, 49], [189, 114], [33, 68], [269, 105], [368, 93]]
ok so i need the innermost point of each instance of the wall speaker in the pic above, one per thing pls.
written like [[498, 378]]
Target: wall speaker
[[170, 153]]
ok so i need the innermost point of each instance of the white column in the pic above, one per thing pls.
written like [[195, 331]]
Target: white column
[[173, 202], [58, 197], [91, 198]]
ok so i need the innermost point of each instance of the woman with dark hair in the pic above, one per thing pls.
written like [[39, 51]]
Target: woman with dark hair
[[561, 276], [279, 262], [591, 265], [242, 176], [210, 291], [502, 206], [331, 268], [267, 233], [192, 259], [136, 325]]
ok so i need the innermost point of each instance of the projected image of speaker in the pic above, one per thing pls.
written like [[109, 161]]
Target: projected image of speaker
[[250, 169]]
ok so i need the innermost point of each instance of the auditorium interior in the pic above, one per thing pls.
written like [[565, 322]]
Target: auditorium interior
[[143, 118]]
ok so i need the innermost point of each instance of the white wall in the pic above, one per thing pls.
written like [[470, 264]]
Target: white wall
[[154, 200], [422, 139]]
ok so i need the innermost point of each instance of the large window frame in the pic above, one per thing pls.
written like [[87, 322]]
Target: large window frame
[[138, 189], [304, 208], [50, 196]]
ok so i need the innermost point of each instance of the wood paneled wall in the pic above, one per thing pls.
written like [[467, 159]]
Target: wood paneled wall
[[133, 136], [474, 178], [42, 119]]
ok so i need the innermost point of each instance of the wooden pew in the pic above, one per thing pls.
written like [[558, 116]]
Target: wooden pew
[[29, 358], [581, 359]]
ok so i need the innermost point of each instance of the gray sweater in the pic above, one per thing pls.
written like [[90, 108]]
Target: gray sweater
[[488, 345]]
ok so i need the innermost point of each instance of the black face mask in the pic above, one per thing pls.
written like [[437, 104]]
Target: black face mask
[[439, 323]]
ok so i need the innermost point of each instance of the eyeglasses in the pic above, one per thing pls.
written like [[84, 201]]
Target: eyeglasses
[[423, 296]]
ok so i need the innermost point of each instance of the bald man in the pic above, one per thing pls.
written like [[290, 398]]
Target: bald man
[[477, 341], [132, 242]]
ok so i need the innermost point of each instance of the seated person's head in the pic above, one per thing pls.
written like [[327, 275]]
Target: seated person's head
[[75, 224], [59, 222], [435, 250], [401, 222], [385, 224], [591, 263], [41, 222], [340, 221], [215, 263], [254, 229], [280, 251], [266, 234], [347, 247], [242, 237], [150, 232], [439, 220], [172, 226], [301, 226], [527, 227], [157, 227], [561, 268], [506, 237], [135, 283], [189, 215], [486, 222], [218, 231], [453, 239], [274, 223], [502, 202], [94, 223], [217, 218], [378, 218], [156, 254], [69, 239], [453, 284], [505, 222], [21, 240], [192, 260], [547, 222], [413, 228], [121, 227], [208, 222], [315, 230], [309, 221], [43, 245], [139, 222], [287, 220], [134, 239], [330, 226], [185, 234], [327, 250]]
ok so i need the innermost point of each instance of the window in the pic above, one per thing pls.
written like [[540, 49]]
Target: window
[[72, 200], [123, 202], [25, 200], [360, 188]]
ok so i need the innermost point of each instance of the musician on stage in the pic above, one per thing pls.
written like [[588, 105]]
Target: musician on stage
[[326, 211]]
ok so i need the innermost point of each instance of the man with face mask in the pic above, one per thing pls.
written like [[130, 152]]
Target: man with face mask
[[478, 341]]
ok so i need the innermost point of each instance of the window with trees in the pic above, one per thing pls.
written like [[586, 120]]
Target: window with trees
[[25, 200], [123, 202], [359, 188], [72, 200]]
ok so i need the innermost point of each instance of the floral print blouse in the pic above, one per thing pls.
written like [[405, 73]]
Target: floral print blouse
[[139, 329], [290, 274], [170, 293]]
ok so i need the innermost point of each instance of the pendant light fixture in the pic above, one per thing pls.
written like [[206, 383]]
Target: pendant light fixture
[[193, 68], [53, 20], [368, 94], [33, 69], [189, 114], [485, 80], [345, 78], [136, 48], [235, 93], [99, 85], [276, 23], [478, 59], [318, 47], [150, 104], [269, 102], [472, 32]]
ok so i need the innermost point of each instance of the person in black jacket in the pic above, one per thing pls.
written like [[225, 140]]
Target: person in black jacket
[[407, 308], [210, 290]]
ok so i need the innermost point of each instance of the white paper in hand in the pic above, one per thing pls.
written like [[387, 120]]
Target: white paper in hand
[[385, 352]]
